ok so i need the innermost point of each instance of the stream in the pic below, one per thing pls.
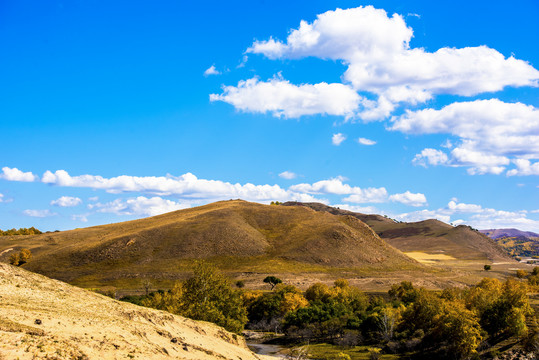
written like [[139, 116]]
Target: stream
[[266, 349]]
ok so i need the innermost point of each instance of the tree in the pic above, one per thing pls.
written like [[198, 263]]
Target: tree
[[521, 274], [487, 267], [535, 270], [272, 280], [20, 258], [208, 296]]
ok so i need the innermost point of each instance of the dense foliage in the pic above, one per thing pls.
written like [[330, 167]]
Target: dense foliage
[[206, 296], [21, 231], [452, 324]]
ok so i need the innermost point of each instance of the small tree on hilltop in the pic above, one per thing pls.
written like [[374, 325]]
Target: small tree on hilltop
[[272, 280]]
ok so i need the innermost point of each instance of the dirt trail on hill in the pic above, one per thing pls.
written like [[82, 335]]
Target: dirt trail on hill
[[41, 318]]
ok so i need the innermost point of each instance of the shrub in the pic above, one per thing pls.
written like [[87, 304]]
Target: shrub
[[521, 274], [487, 267], [272, 280]]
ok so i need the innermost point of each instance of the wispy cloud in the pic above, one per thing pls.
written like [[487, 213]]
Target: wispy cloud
[[39, 213], [66, 201], [364, 141], [288, 175], [211, 71], [337, 139]]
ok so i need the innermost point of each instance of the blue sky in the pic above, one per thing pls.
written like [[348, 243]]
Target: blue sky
[[112, 111]]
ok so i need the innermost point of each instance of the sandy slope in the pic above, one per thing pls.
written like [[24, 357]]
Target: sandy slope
[[79, 324]]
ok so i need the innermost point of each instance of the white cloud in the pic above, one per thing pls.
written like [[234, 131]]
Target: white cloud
[[492, 133], [337, 139], [66, 201], [524, 167], [288, 175], [376, 49], [186, 186], [283, 99], [140, 205], [431, 157], [358, 209], [337, 187], [409, 198], [455, 207], [1, 197], [211, 71], [80, 217], [39, 213], [423, 215], [364, 141], [14, 174], [479, 217], [93, 198]]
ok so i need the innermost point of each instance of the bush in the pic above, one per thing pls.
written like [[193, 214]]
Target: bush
[[521, 274], [20, 258], [487, 267]]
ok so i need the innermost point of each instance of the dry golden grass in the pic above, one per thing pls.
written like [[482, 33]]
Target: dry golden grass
[[238, 236], [78, 324]]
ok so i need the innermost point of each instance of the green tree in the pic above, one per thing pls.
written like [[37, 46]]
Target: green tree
[[272, 280], [487, 267], [208, 296]]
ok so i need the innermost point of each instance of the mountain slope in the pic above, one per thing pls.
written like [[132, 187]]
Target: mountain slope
[[237, 235], [498, 233], [429, 236], [42, 318]]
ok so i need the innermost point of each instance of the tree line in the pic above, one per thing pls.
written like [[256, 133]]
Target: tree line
[[454, 323], [21, 231]]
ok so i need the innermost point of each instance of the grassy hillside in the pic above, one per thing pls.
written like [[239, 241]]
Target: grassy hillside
[[42, 318], [429, 236], [238, 236]]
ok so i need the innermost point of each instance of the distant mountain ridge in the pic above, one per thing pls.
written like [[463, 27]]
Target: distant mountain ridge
[[500, 233]]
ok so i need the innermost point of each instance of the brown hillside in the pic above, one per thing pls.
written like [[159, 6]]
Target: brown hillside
[[429, 236], [42, 318], [237, 235]]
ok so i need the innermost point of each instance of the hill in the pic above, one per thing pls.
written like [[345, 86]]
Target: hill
[[42, 318], [521, 244], [499, 233], [428, 236], [237, 236]]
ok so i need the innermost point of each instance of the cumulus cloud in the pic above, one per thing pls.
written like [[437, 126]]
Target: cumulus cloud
[[491, 133], [66, 201], [186, 186], [39, 213], [337, 187], [211, 71], [140, 205], [431, 157], [14, 174], [364, 141], [80, 217], [337, 139], [288, 175], [283, 99], [477, 216], [524, 167], [376, 49], [409, 198], [423, 215], [358, 209]]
